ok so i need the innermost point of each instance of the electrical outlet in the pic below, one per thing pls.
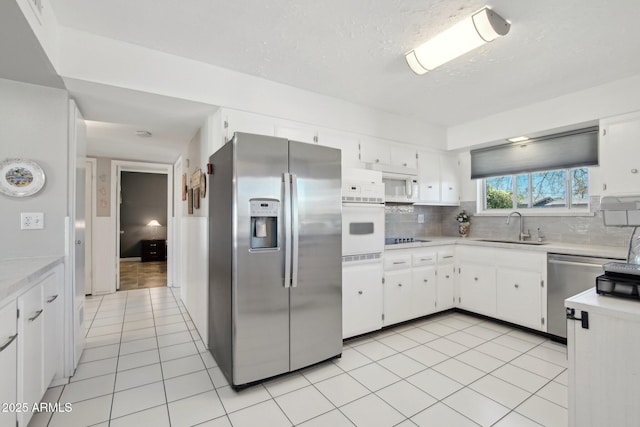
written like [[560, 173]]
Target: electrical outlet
[[420, 218], [31, 221]]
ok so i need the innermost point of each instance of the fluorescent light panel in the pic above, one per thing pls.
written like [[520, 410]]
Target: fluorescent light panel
[[518, 139], [468, 34]]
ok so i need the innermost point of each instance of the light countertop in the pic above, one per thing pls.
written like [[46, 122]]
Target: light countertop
[[20, 272], [548, 247], [590, 301]]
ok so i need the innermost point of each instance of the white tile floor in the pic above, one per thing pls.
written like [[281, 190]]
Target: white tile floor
[[145, 365]]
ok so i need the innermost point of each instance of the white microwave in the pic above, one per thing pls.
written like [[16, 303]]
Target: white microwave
[[400, 187]]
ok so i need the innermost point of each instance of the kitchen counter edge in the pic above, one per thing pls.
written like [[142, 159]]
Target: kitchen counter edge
[[19, 273], [548, 247]]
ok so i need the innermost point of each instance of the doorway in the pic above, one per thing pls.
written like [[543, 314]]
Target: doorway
[[143, 231], [143, 212]]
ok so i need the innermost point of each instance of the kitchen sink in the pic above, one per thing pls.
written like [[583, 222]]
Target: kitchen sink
[[517, 242]]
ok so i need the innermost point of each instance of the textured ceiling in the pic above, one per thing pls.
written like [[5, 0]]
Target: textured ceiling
[[353, 49]]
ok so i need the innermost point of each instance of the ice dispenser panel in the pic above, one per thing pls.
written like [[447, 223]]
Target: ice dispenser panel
[[264, 223]]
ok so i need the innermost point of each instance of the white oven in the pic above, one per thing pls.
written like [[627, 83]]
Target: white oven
[[362, 262], [362, 218]]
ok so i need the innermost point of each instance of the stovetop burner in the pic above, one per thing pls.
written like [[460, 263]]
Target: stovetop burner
[[400, 240]]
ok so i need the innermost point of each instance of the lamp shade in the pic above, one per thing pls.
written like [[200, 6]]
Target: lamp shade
[[154, 223], [468, 34]]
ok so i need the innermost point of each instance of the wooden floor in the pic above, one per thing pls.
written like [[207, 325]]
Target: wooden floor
[[139, 275]]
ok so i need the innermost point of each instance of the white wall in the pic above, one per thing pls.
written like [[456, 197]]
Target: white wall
[[33, 125], [602, 101]]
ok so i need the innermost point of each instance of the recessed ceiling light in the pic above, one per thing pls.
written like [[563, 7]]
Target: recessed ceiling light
[[518, 139], [143, 133]]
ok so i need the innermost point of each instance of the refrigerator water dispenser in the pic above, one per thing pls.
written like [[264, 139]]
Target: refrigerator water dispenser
[[264, 223]]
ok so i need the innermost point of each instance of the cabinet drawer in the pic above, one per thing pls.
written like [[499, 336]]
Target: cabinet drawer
[[423, 258], [397, 262], [446, 256]]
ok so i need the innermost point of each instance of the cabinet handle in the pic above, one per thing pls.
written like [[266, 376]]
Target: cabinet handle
[[430, 186], [359, 292], [399, 285], [426, 259], [447, 276], [8, 343], [38, 313], [377, 160], [404, 164], [426, 280], [475, 278], [516, 286], [447, 256], [399, 262], [52, 299]]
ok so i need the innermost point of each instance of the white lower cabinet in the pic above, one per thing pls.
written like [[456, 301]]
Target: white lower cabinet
[[603, 355], [417, 282], [503, 283], [519, 297], [31, 385], [477, 289], [424, 290], [53, 319], [398, 296], [445, 295], [361, 296], [8, 357]]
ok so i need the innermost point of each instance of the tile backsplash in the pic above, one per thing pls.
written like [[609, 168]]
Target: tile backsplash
[[402, 221]]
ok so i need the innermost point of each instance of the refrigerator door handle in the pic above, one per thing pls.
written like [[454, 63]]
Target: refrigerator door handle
[[294, 228], [286, 213]]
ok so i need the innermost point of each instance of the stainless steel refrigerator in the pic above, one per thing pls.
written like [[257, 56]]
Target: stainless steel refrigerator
[[275, 282]]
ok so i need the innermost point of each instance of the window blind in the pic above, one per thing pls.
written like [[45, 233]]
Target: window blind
[[558, 151]]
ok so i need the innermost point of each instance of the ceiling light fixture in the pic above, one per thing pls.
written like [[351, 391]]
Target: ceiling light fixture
[[480, 28], [143, 133], [518, 139]]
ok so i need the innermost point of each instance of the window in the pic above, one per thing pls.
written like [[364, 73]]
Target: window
[[560, 189]]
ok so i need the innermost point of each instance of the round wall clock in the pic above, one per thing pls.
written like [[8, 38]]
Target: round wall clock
[[20, 177]]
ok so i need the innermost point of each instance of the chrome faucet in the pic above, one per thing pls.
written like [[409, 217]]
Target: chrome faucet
[[522, 235]]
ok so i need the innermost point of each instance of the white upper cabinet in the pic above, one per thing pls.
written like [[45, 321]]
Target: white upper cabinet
[[297, 132], [346, 142], [449, 179], [438, 178], [373, 150], [240, 121], [403, 156], [619, 171]]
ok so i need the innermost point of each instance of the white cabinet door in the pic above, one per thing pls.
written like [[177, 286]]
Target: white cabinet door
[[449, 181], [477, 285], [403, 156], [361, 298], [603, 369], [30, 350], [519, 297], [239, 121], [8, 356], [299, 133], [53, 324], [374, 151], [397, 296], [429, 176], [446, 286], [345, 142], [619, 155], [424, 290]]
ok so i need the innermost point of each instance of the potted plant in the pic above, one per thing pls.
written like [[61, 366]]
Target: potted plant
[[464, 222]]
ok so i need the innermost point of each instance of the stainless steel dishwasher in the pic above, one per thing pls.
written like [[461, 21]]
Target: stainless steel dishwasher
[[568, 275]]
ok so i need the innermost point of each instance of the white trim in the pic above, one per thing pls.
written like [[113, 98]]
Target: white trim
[[118, 166], [90, 217]]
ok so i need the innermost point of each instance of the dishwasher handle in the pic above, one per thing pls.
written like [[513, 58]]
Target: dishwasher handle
[[574, 263]]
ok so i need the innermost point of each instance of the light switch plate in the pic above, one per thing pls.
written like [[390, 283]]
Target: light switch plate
[[420, 218], [31, 221]]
